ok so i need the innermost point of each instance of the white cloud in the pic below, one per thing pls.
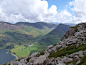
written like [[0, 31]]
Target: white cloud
[[26, 10], [64, 16], [37, 10], [79, 10], [31, 10], [65, 13]]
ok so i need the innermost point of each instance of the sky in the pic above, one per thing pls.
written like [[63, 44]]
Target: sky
[[57, 11]]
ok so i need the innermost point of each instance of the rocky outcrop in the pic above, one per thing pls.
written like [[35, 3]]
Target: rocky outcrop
[[68, 58], [75, 35], [42, 60], [33, 54]]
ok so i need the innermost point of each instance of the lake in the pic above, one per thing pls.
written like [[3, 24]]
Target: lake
[[5, 57]]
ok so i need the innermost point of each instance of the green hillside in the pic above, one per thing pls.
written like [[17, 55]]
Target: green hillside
[[21, 33], [17, 37], [54, 36]]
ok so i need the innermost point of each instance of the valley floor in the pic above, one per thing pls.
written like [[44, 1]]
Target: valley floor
[[21, 51]]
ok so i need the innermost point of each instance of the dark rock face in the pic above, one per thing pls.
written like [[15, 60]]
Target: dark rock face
[[75, 35]]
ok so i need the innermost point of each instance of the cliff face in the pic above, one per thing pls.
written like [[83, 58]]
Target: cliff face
[[71, 50]]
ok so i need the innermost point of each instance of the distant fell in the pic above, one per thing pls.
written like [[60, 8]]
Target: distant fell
[[54, 36], [38, 25], [23, 32]]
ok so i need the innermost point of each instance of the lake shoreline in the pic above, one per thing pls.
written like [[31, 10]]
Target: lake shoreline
[[12, 54], [6, 56]]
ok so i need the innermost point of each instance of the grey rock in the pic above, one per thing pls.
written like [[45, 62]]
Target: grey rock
[[70, 64], [54, 49], [72, 31], [58, 59], [32, 59], [77, 45], [84, 52], [50, 46], [52, 59], [42, 60], [15, 63], [71, 42], [50, 51], [34, 54], [68, 60], [23, 61], [58, 46], [29, 64], [76, 57], [80, 53], [61, 64], [78, 62]]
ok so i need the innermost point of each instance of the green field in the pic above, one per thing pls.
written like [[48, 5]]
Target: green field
[[22, 51]]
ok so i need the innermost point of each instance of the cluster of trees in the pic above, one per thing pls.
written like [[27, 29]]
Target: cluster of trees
[[9, 46]]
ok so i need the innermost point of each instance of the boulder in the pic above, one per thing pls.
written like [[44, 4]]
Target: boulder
[[42, 60], [72, 30], [71, 42], [29, 64], [77, 45], [61, 63], [78, 34], [50, 51], [32, 59], [15, 63], [84, 52], [68, 60], [78, 62], [58, 47], [80, 54], [52, 59], [76, 57], [47, 54], [70, 64], [54, 49], [23, 61], [50, 46], [34, 54], [58, 59]]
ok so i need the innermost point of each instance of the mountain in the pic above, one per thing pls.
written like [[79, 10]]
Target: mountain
[[54, 36], [23, 32], [18, 37], [39, 25], [71, 50]]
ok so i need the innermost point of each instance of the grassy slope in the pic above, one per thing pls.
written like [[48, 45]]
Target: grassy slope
[[54, 36], [22, 51], [68, 50]]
